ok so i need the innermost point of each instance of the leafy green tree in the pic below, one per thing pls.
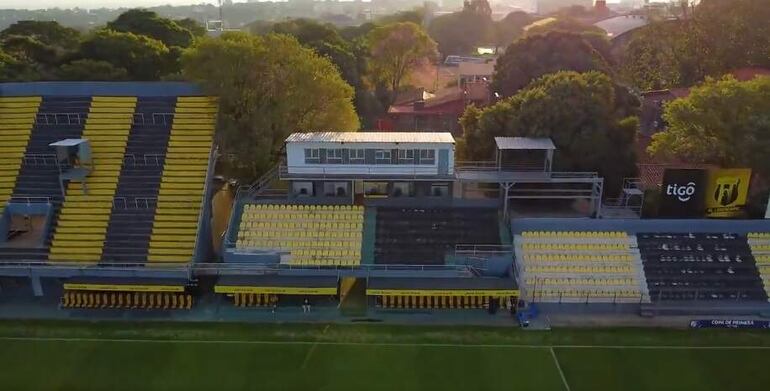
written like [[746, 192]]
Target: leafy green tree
[[30, 49], [49, 33], [724, 122], [80, 70], [529, 58], [192, 25], [268, 87], [148, 23], [13, 69], [396, 50], [578, 111], [144, 58], [461, 32]]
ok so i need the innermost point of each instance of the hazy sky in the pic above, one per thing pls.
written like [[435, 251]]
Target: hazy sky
[[35, 4]]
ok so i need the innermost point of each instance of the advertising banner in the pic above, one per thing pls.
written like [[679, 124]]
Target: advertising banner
[[727, 192], [682, 193], [729, 324]]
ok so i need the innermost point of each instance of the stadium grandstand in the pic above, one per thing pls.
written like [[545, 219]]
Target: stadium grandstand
[[107, 189]]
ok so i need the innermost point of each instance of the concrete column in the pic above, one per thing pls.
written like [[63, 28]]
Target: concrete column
[[37, 287]]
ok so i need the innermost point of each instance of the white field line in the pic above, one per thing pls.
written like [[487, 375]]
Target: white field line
[[383, 344], [312, 350], [558, 367]]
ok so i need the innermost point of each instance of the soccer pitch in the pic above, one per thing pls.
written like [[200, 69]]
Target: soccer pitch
[[147, 356]]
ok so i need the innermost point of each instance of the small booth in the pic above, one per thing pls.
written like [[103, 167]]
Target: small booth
[[73, 157], [524, 153]]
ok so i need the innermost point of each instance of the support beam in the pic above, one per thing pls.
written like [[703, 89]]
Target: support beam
[[37, 286]]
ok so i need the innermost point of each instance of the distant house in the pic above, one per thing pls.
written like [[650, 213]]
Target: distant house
[[620, 25], [468, 72], [439, 113]]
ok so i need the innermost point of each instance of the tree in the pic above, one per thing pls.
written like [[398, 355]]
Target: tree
[[148, 23], [717, 37], [416, 16], [534, 56], [511, 27], [461, 32], [564, 24], [396, 50], [12, 69], [268, 87], [49, 33], [724, 122], [82, 70], [192, 25], [577, 111], [144, 58]]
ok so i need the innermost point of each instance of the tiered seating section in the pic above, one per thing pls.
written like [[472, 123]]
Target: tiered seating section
[[760, 249], [702, 266], [82, 224], [133, 212], [17, 117], [182, 185], [439, 302], [424, 236], [326, 235], [126, 300], [57, 118], [254, 299], [562, 266]]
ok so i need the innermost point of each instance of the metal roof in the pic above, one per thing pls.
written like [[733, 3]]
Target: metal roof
[[68, 142], [505, 143], [372, 137]]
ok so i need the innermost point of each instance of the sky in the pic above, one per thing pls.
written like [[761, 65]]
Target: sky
[[36, 4]]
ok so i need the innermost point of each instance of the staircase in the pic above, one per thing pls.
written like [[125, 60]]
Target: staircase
[[85, 214], [133, 212]]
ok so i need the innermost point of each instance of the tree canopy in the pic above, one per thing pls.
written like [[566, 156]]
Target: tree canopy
[[269, 86], [144, 58], [148, 23], [461, 32], [719, 36], [724, 122], [396, 49], [529, 58], [579, 111], [49, 33]]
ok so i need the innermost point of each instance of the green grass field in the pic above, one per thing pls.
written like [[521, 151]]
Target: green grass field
[[183, 356]]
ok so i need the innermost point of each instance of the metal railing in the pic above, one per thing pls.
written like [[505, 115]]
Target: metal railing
[[153, 118], [134, 202], [40, 159], [485, 165], [483, 249], [30, 200], [343, 171], [145, 160], [58, 119]]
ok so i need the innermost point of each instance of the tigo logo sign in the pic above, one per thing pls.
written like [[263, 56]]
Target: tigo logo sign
[[683, 193]]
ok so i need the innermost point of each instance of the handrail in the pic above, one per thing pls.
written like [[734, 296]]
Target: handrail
[[138, 202], [30, 200], [141, 119], [258, 185], [480, 249], [33, 159], [402, 171], [71, 118], [147, 159]]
